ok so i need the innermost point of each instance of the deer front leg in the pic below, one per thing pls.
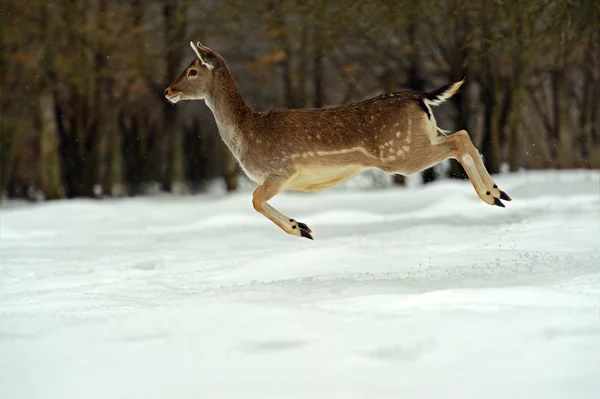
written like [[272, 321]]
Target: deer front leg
[[270, 187], [469, 157]]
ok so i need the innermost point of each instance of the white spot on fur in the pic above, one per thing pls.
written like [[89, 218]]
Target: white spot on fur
[[406, 148], [346, 151], [398, 134]]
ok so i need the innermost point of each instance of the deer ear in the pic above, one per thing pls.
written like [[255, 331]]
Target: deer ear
[[202, 60]]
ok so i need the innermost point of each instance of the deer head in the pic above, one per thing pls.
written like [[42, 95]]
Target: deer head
[[197, 80]]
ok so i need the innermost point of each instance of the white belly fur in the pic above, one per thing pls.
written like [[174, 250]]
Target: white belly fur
[[319, 178]]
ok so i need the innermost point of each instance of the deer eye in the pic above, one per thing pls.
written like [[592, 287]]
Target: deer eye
[[192, 72]]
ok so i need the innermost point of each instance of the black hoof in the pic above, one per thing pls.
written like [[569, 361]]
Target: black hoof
[[306, 234], [497, 202], [304, 227], [504, 196]]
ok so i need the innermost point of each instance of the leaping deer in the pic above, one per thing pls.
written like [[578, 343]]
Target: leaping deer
[[313, 149]]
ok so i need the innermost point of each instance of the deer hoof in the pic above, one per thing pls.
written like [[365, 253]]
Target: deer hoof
[[302, 226], [497, 202], [303, 229], [306, 234], [504, 196]]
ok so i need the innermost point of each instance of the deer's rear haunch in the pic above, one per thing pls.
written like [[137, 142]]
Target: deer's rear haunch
[[312, 149]]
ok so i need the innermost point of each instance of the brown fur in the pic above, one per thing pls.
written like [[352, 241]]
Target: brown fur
[[312, 149]]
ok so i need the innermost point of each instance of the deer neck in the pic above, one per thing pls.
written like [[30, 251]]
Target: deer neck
[[230, 110]]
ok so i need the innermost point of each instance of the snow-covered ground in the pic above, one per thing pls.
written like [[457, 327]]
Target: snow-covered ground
[[423, 292]]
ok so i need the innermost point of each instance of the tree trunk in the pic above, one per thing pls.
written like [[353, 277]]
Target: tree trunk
[[49, 162], [7, 152], [91, 113], [50, 175], [174, 18], [562, 131], [588, 107], [594, 146], [138, 141], [281, 33], [113, 177], [131, 148], [514, 146], [490, 145], [491, 98], [318, 99], [174, 175], [90, 159], [114, 183], [67, 150], [177, 177], [286, 71], [302, 64], [195, 158]]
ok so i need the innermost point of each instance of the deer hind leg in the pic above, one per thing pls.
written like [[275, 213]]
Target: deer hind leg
[[270, 187], [468, 156]]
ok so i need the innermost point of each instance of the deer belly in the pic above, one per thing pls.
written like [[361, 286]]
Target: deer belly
[[319, 178]]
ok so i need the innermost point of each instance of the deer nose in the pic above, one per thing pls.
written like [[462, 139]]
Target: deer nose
[[167, 92]]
